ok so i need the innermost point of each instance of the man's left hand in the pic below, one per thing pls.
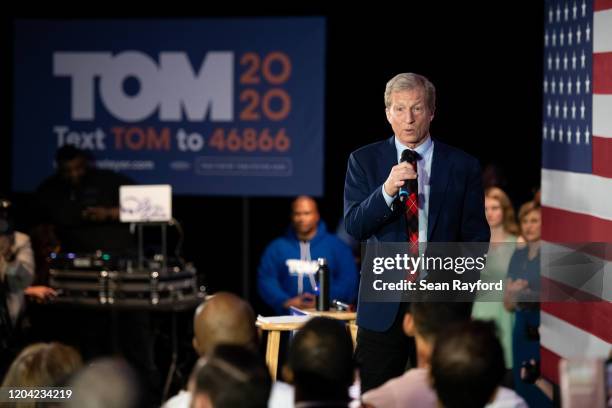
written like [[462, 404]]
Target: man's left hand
[[40, 294]]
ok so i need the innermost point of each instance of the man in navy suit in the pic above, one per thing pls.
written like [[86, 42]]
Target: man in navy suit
[[450, 209]]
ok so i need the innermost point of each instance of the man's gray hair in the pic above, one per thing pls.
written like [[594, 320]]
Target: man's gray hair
[[107, 382], [410, 81]]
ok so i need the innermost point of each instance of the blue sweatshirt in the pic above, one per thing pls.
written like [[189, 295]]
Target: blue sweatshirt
[[276, 285]]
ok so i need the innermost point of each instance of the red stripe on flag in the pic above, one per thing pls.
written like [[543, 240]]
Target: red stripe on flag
[[566, 226], [602, 72], [549, 365], [599, 5], [592, 317], [602, 151]]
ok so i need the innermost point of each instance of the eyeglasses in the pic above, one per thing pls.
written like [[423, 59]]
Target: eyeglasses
[[401, 112]]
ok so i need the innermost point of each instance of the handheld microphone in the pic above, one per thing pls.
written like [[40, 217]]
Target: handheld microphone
[[409, 156]]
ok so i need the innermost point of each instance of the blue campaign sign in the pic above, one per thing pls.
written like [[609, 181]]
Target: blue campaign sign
[[224, 106]]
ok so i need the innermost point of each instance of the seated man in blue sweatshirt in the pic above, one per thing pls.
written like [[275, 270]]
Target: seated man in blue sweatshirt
[[285, 275]]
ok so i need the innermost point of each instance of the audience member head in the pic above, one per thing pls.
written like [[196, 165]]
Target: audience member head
[[320, 362], [499, 210], [530, 218], [426, 320], [224, 319], [72, 164], [105, 383], [467, 365], [304, 217], [232, 376], [43, 365]]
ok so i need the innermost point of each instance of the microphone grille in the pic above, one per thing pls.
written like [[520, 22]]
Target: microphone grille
[[409, 156]]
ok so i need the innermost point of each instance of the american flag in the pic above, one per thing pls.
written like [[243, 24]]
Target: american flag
[[577, 166]]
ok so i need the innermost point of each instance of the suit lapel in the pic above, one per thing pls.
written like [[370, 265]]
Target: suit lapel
[[389, 158], [440, 171]]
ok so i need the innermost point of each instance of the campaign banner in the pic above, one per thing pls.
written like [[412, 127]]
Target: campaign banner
[[223, 106]]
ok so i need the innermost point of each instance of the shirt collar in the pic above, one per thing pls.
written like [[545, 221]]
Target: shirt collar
[[421, 149]]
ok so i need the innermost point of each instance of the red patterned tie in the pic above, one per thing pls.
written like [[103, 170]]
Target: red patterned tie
[[412, 217]]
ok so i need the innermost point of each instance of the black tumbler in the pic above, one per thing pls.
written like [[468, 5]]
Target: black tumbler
[[323, 278]]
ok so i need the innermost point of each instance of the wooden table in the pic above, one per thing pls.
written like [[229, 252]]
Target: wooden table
[[274, 330], [334, 314]]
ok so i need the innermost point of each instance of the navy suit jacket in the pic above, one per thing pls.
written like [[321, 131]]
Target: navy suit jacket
[[456, 208]]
